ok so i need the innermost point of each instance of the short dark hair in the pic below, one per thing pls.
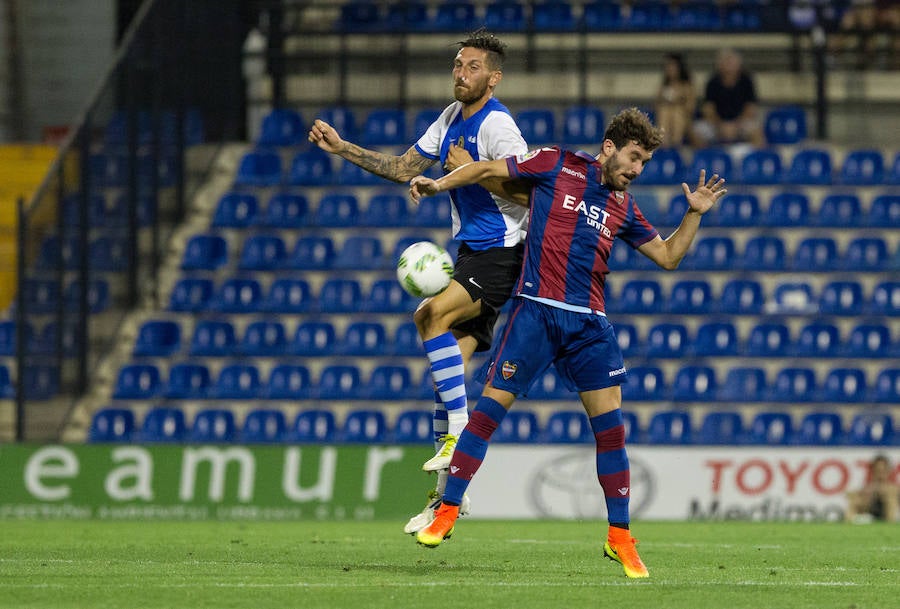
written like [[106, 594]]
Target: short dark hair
[[486, 41], [632, 125]]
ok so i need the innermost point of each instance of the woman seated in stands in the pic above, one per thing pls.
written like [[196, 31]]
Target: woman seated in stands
[[675, 101]]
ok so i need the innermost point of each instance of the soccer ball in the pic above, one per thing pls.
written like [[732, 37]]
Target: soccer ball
[[424, 269]]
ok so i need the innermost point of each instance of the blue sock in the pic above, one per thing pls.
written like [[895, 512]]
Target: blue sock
[[612, 464], [449, 378], [472, 447]]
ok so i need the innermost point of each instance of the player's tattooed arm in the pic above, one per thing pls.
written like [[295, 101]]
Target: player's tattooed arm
[[397, 168]]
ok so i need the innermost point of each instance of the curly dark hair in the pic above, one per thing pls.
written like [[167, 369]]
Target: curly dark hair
[[486, 41], [632, 125]]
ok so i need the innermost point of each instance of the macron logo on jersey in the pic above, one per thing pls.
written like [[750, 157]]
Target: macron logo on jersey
[[593, 215], [574, 173]]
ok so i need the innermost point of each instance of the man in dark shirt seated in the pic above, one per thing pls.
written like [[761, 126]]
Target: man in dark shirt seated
[[730, 113]]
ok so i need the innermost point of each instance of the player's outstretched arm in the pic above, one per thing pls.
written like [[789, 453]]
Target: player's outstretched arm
[[397, 168], [514, 191], [470, 173]]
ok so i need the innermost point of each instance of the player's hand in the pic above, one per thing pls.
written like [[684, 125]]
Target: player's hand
[[325, 137], [457, 156], [420, 186], [706, 194]]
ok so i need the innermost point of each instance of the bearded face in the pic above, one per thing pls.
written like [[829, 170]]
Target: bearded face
[[472, 77]]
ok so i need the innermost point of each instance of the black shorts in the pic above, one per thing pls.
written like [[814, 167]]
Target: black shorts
[[490, 276]]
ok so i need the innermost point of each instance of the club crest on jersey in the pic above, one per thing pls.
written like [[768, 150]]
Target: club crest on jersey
[[620, 197], [507, 370]]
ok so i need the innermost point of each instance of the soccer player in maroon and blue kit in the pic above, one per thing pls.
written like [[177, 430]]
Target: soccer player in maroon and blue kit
[[579, 204]]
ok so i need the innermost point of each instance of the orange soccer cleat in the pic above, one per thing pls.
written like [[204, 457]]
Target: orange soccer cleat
[[620, 547], [440, 528]]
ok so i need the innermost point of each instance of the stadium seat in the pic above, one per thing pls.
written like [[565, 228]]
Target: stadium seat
[[109, 170], [810, 167], [235, 210], [645, 383], [818, 339], [871, 429], [820, 428], [314, 425], [678, 205], [384, 127], [188, 381], [288, 295], [213, 426], [840, 211], [651, 15], [885, 299], [191, 295], [413, 427], [694, 384], [601, 15], [769, 339], [264, 426], [263, 339], [714, 160], [550, 387], [387, 209], [387, 296], [764, 253], [794, 384], [423, 119], [340, 382], [365, 338], [743, 384], [313, 338], [137, 382], [341, 296], [625, 257], [238, 295], [785, 125], [337, 210], [696, 16], [98, 215], [8, 340], [360, 252], [742, 297], [285, 210], [788, 209], [282, 127], [868, 340], [55, 251], [7, 387], [568, 427], [552, 16], [866, 254], [844, 386], [408, 16], [111, 425], [794, 297], [841, 298], [862, 168], [311, 253], [639, 296], [738, 210], [406, 340], [205, 253], [213, 338], [259, 168], [237, 382], [343, 119], [666, 167], [884, 212], [716, 338], [761, 167], [433, 212], [311, 168], [109, 254], [288, 382], [364, 426], [504, 16], [359, 16], [518, 426], [627, 337], [691, 297], [262, 253], [583, 125], [887, 386], [453, 16], [40, 382], [158, 338], [538, 126], [163, 425], [815, 254], [771, 428], [721, 427], [669, 427], [712, 254], [667, 340]]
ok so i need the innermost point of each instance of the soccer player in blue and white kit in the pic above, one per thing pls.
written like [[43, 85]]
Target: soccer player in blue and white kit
[[460, 320], [579, 205]]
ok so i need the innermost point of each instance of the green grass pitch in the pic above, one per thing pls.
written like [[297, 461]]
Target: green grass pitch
[[486, 564]]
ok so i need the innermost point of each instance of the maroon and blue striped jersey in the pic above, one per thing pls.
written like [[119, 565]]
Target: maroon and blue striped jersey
[[574, 219]]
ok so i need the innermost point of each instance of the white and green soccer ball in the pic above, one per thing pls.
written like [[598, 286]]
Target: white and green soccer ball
[[424, 269]]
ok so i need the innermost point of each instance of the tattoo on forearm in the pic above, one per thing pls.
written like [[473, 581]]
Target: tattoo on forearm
[[396, 168]]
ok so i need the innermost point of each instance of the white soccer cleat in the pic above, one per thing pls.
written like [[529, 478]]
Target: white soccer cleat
[[424, 518], [442, 459]]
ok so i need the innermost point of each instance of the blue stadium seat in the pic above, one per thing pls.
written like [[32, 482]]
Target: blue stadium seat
[[601, 16], [411, 15], [413, 427], [645, 383], [341, 296], [287, 295], [714, 160], [158, 338], [340, 382], [738, 210], [862, 168], [818, 339], [337, 210], [887, 386], [387, 209], [518, 426], [238, 295], [820, 428], [390, 382], [313, 338], [651, 15], [868, 340], [109, 170], [810, 167], [40, 382], [552, 16], [387, 296], [55, 251], [282, 127], [137, 382], [288, 382], [454, 16], [794, 384], [774, 428], [259, 168], [815, 254], [365, 338], [742, 297], [625, 257], [764, 253], [343, 120], [667, 340], [188, 381], [237, 382], [884, 212], [666, 167], [866, 254], [213, 426], [313, 425], [311, 253], [639, 296], [678, 205], [164, 425], [885, 299], [696, 16], [205, 252], [769, 339], [583, 125], [841, 298], [550, 387], [236, 210], [111, 425], [504, 16], [360, 252], [433, 212], [788, 209], [844, 385], [840, 210], [285, 210], [743, 384], [384, 127], [7, 388], [694, 383], [263, 338], [213, 338], [691, 297], [98, 215], [761, 167], [785, 125], [8, 337], [568, 427], [716, 338], [669, 427], [406, 340], [627, 337], [364, 426], [262, 253], [311, 168], [538, 126], [794, 297], [721, 427], [191, 295], [633, 431], [359, 16], [712, 254], [423, 119], [264, 426], [871, 429], [109, 254]]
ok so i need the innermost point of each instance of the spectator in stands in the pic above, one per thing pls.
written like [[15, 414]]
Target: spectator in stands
[[861, 22], [729, 112], [675, 101], [878, 499], [460, 320]]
